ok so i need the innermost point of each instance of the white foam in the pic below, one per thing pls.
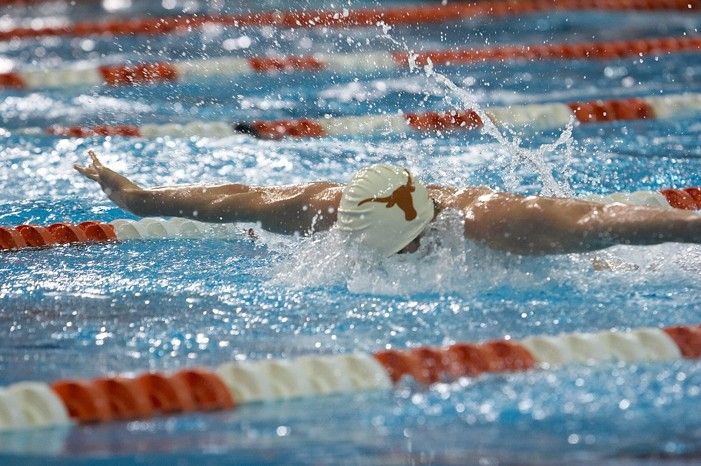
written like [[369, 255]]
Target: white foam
[[445, 262]]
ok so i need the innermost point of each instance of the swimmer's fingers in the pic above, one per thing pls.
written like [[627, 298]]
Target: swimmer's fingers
[[88, 172], [93, 170], [95, 161]]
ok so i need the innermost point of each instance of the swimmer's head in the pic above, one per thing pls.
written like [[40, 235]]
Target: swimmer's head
[[385, 207]]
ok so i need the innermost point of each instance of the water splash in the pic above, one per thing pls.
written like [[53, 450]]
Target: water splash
[[445, 262], [519, 156], [448, 264], [535, 158]]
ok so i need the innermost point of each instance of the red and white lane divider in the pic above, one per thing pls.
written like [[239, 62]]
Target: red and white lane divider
[[34, 236], [409, 15], [534, 116], [30, 405], [6, 3], [30, 236], [196, 70], [158, 228], [686, 198]]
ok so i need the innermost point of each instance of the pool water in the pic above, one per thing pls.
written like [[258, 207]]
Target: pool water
[[84, 311]]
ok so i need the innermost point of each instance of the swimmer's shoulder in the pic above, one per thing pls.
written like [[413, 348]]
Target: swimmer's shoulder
[[315, 194], [325, 192], [457, 198]]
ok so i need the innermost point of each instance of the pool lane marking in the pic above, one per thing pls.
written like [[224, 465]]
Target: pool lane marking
[[25, 236], [533, 116], [32, 236], [30, 405], [407, 15], [687, 198], [196, 70]]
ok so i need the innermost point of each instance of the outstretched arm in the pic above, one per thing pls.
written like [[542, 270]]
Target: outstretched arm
[[542, 225], [283, 209]]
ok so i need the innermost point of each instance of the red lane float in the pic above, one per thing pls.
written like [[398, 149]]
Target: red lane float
[[167, 394], [118, 75], [35, 2], [197, 69], [11, 238], [400, 363], [29, 236], [146, 395], [65, 233], [122, 398], [687, 198], [126, 398], [688, 339], [437, 121], [612, 110], [277, 129], [429, 365], [84, 401], [288, 64], [101, 130], [208, 391], [12, 80], [36, 236], [409, 15], [567, 51], [96, 231], [469, 360], [434, 362]]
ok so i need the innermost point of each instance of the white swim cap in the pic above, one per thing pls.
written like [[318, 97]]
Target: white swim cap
[[386, 207]]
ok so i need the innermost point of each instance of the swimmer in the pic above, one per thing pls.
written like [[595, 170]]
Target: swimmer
[[387, 209]]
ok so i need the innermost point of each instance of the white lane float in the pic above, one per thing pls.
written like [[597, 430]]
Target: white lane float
[[646, 344], [159, 228], [30, 405]]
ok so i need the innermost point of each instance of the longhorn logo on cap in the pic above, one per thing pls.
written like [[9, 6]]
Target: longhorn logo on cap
[[400, 197]]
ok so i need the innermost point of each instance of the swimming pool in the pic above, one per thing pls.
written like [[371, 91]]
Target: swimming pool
[[91, 310]]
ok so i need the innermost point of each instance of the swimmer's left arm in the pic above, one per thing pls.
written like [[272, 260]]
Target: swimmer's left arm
[[291, 209], [542, 225], [117, 187], [199, 202]]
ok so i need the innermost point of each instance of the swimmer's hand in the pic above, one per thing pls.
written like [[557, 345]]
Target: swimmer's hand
[[92, 170], [117, 187]]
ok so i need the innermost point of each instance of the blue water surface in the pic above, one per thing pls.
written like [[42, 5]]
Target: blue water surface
[[89, 310]]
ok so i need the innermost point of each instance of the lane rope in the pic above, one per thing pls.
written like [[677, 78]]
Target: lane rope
[[30, 405], [409, 15], [534, 116], [33, 236], [195, 70]]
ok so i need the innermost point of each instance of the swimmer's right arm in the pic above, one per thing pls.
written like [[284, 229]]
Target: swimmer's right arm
[[542, 225], [281, 210]]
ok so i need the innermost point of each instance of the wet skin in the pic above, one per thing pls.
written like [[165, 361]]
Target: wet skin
[[503, 221]]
